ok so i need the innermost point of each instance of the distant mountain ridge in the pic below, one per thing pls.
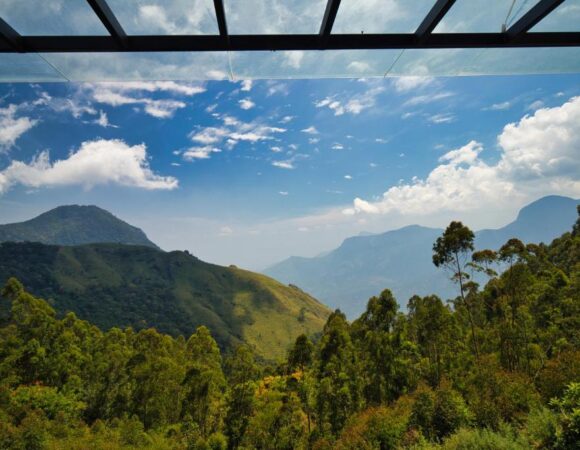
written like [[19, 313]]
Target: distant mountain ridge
[[75, 225], [401, 259]]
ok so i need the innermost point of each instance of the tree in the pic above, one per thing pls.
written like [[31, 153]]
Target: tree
[[300, 355], [451, 251]]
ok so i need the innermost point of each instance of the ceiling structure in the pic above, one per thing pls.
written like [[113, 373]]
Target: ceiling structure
[[91, 40]]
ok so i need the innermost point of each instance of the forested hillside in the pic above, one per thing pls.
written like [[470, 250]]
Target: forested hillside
[[497, 368], [174, 292]]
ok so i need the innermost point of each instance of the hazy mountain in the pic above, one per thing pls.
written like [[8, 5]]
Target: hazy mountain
[[401, 259], [75, 225], [138, 286]]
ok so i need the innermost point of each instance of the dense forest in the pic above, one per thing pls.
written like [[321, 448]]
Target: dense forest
[[498, 367]]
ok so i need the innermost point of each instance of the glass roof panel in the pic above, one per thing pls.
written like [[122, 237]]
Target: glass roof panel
[[143, 17], [274, 16], [483, 16], [29, 67], [141, 66], [380, 16], [51, 17], [508, 61], [312, 64], [565, 17]]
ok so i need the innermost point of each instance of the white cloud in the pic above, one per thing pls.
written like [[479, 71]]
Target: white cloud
[[276, 149], [12, 127], [441, 118], [231, 133], [313, 140], [225, 231], [381, 140], [246, 103], [337, 146], [427, 98], [502, 106], [103, 121], [410, 83], [293, 58], [247, 85], [283, 193], [348, 177], [354, 104], [94, 163], [199, 152], [133, 93], [287, 164], [286, 119], [359, 66], [536, 105], [539, 156], [310, 130]]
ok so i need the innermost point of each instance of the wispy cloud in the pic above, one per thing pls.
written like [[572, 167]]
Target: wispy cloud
[[427, 98], [441, 118], [310, 130], [12, 127]]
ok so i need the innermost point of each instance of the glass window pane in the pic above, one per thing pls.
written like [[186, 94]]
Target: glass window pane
[[483, 16], [380, 16], [29, 67], [144, 17], [51, 17], [565, 17], [141, 66], [312, 64], [274, 16]]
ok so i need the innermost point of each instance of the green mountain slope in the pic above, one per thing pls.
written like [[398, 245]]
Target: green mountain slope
[[122, 285], [74, 225]]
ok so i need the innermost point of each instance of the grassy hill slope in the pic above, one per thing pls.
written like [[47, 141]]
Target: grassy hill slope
[[138, 286]]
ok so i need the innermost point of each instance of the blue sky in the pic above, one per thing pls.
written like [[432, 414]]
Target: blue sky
[[252, 172]]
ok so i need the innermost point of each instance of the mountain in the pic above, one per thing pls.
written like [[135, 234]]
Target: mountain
[[139, 286], [400, 260], [75, 225]]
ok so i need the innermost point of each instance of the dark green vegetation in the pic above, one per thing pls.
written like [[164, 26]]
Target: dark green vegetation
[[141, 287], [496, 368], [401, 259], [74, 225]]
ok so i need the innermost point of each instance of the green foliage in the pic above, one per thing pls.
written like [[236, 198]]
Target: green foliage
[[494, 369]]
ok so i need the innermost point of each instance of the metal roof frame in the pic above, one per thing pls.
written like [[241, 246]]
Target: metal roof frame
[[517, 35]]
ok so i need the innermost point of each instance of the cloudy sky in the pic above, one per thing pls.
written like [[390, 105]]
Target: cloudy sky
[[249, 173]]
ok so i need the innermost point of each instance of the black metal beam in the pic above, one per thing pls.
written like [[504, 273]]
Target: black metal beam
[[200, 43], [432, 19], [10, 36], [329, 17], [109, 20], [220, 15], [533, 16]]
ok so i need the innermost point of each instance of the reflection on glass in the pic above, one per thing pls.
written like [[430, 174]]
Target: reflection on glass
[[29, 67], [312, 64], [380, 16], [165, 16], [565, 17], [141, 66], [51, 17], [483, 16], [274, 16]]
